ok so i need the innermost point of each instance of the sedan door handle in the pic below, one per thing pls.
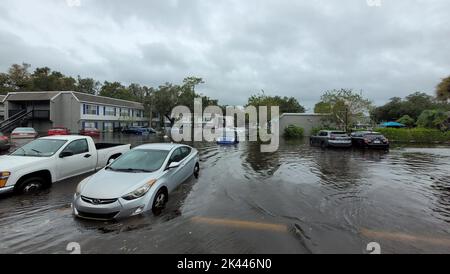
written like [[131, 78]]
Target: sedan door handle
[[87, 155]]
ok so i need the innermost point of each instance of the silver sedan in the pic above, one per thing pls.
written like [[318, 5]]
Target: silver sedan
[[139, 181]]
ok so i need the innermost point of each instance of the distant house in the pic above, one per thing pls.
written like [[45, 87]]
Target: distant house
[[307, 121], [74, 110]]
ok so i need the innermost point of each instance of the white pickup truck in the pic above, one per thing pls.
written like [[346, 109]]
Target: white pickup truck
[[46, 160]]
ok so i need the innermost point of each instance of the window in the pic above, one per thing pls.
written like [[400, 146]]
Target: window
[[89, 125], [108, 126], [40, 148], [176, 156], [323, 133], [77, 147], [185, 151], [140, 160], [110, 111], [90, 109], [124, 112]]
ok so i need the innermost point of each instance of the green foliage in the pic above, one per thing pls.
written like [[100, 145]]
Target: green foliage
[[322, 107], [415, 135], [443, 90], [407, 121], [293, 131], [345, 107], [286, 104], [437, 119], [413, 105]]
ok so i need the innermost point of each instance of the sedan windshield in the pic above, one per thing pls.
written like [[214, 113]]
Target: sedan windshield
[[40, 148], [140, 160]]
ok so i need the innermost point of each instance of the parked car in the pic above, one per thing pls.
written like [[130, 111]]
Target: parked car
[[58, 131], [4, 142], [138, 130], [331, 138], [139, 181], [24, 132], [369, 139], [46, 160], [227, 136], [93, 132]]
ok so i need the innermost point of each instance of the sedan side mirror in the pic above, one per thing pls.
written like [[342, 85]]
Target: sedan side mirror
[[65, 154], [173, 165]]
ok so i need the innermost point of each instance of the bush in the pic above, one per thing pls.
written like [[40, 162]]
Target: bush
[[415, 135], [407, 121], [293, 132], [433, 119]]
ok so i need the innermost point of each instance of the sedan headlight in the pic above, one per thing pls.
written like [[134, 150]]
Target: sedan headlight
[[138, 193], [4, 178], [80, 186]]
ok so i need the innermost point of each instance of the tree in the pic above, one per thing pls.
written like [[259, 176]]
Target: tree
[[87, 85], [346, 107], [286, 104], [443, 90], [19, 77], [115, 90], [413, 105], [44, 79], [434, 119], [322, 107], [407, 121]]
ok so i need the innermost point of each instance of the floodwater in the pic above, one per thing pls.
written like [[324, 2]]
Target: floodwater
[[300, 199]]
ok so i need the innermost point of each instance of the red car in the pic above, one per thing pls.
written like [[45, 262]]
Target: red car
[[58, 131], [93, 132]]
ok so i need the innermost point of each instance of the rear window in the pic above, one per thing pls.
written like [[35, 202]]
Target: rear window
[[338, 133], [24, 129]]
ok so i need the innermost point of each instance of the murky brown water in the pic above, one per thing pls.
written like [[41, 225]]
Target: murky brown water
[[296, 200]]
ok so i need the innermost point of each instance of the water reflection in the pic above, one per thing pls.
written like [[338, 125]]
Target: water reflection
[[324, 197]]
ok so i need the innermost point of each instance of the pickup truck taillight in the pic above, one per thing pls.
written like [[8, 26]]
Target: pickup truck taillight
[[3, 138]]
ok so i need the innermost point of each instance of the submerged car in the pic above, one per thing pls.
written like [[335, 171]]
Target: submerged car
[[227, 136], [4, 142], [331, 138], [24, 133], [138, 130], [58, 131], [369, 139], [138, 181], [92, 132]]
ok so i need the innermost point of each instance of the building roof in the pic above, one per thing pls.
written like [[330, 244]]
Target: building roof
[[31, 95], [82, 97], [89, 98]]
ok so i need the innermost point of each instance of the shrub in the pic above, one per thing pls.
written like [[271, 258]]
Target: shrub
[[415, 135], [433, 119], [407, 121], [293, 132]]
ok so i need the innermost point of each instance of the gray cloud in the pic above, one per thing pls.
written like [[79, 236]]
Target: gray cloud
[[292, 48]]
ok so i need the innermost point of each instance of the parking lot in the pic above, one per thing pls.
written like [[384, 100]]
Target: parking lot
[[300, 199]]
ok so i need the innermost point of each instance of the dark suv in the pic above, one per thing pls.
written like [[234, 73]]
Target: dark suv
[[369, 139], [331, 138]]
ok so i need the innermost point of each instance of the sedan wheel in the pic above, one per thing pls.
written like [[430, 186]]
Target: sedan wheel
[[196, 170], [159, 201]]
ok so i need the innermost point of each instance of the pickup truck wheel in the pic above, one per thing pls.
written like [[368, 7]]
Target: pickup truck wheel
[[31, 185], [196, 170], [160, 200]]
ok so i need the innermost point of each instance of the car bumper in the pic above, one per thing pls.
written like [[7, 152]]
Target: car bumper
[[118, 209], [339, 144], [379, 146], [6, 189]]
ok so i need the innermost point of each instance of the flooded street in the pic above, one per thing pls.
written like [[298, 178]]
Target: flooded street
[[300, 199]]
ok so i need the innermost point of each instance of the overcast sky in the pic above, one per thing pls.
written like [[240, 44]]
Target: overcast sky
[[295, 48]]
